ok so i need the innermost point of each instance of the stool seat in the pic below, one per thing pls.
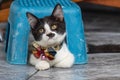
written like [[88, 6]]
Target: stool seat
[[18, 28]]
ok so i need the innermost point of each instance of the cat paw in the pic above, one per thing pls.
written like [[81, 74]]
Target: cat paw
[[42, 65]]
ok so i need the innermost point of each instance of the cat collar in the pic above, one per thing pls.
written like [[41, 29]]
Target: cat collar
[[44, 53]]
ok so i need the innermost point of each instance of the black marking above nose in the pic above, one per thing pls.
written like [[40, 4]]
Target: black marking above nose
[[50, 35]]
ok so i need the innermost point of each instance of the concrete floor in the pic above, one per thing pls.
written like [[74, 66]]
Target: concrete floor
[[101, 28]]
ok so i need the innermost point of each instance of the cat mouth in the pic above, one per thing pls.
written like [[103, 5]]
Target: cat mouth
[[51, 38]]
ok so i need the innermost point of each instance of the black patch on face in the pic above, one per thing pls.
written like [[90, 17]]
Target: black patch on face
[[35, 31]]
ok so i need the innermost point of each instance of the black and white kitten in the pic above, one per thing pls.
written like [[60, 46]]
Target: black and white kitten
[[50, 31]]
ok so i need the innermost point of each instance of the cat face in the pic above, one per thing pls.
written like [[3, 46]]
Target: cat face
[[50, 30]]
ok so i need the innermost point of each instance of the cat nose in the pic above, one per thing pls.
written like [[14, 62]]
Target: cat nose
[[50, 35]]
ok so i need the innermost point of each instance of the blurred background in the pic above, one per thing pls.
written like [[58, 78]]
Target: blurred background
[[102, 27]]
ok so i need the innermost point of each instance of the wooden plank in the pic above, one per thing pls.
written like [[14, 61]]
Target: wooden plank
[[4, 15], [113, 3], [77, 0]]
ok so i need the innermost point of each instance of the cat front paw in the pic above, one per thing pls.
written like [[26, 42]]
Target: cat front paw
[[42, 65]]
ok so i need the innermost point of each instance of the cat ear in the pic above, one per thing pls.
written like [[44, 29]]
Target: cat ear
[[32, 19], [57, 12]]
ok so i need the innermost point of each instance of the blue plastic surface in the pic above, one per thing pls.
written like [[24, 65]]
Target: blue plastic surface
[[18, 29]]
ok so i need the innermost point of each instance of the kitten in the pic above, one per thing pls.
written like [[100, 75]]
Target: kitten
[[50, 31]]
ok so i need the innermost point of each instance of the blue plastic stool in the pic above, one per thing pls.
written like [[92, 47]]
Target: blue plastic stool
[[18, 29]]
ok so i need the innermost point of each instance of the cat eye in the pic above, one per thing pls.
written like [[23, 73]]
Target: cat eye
[[53, 27], [41, 30]]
